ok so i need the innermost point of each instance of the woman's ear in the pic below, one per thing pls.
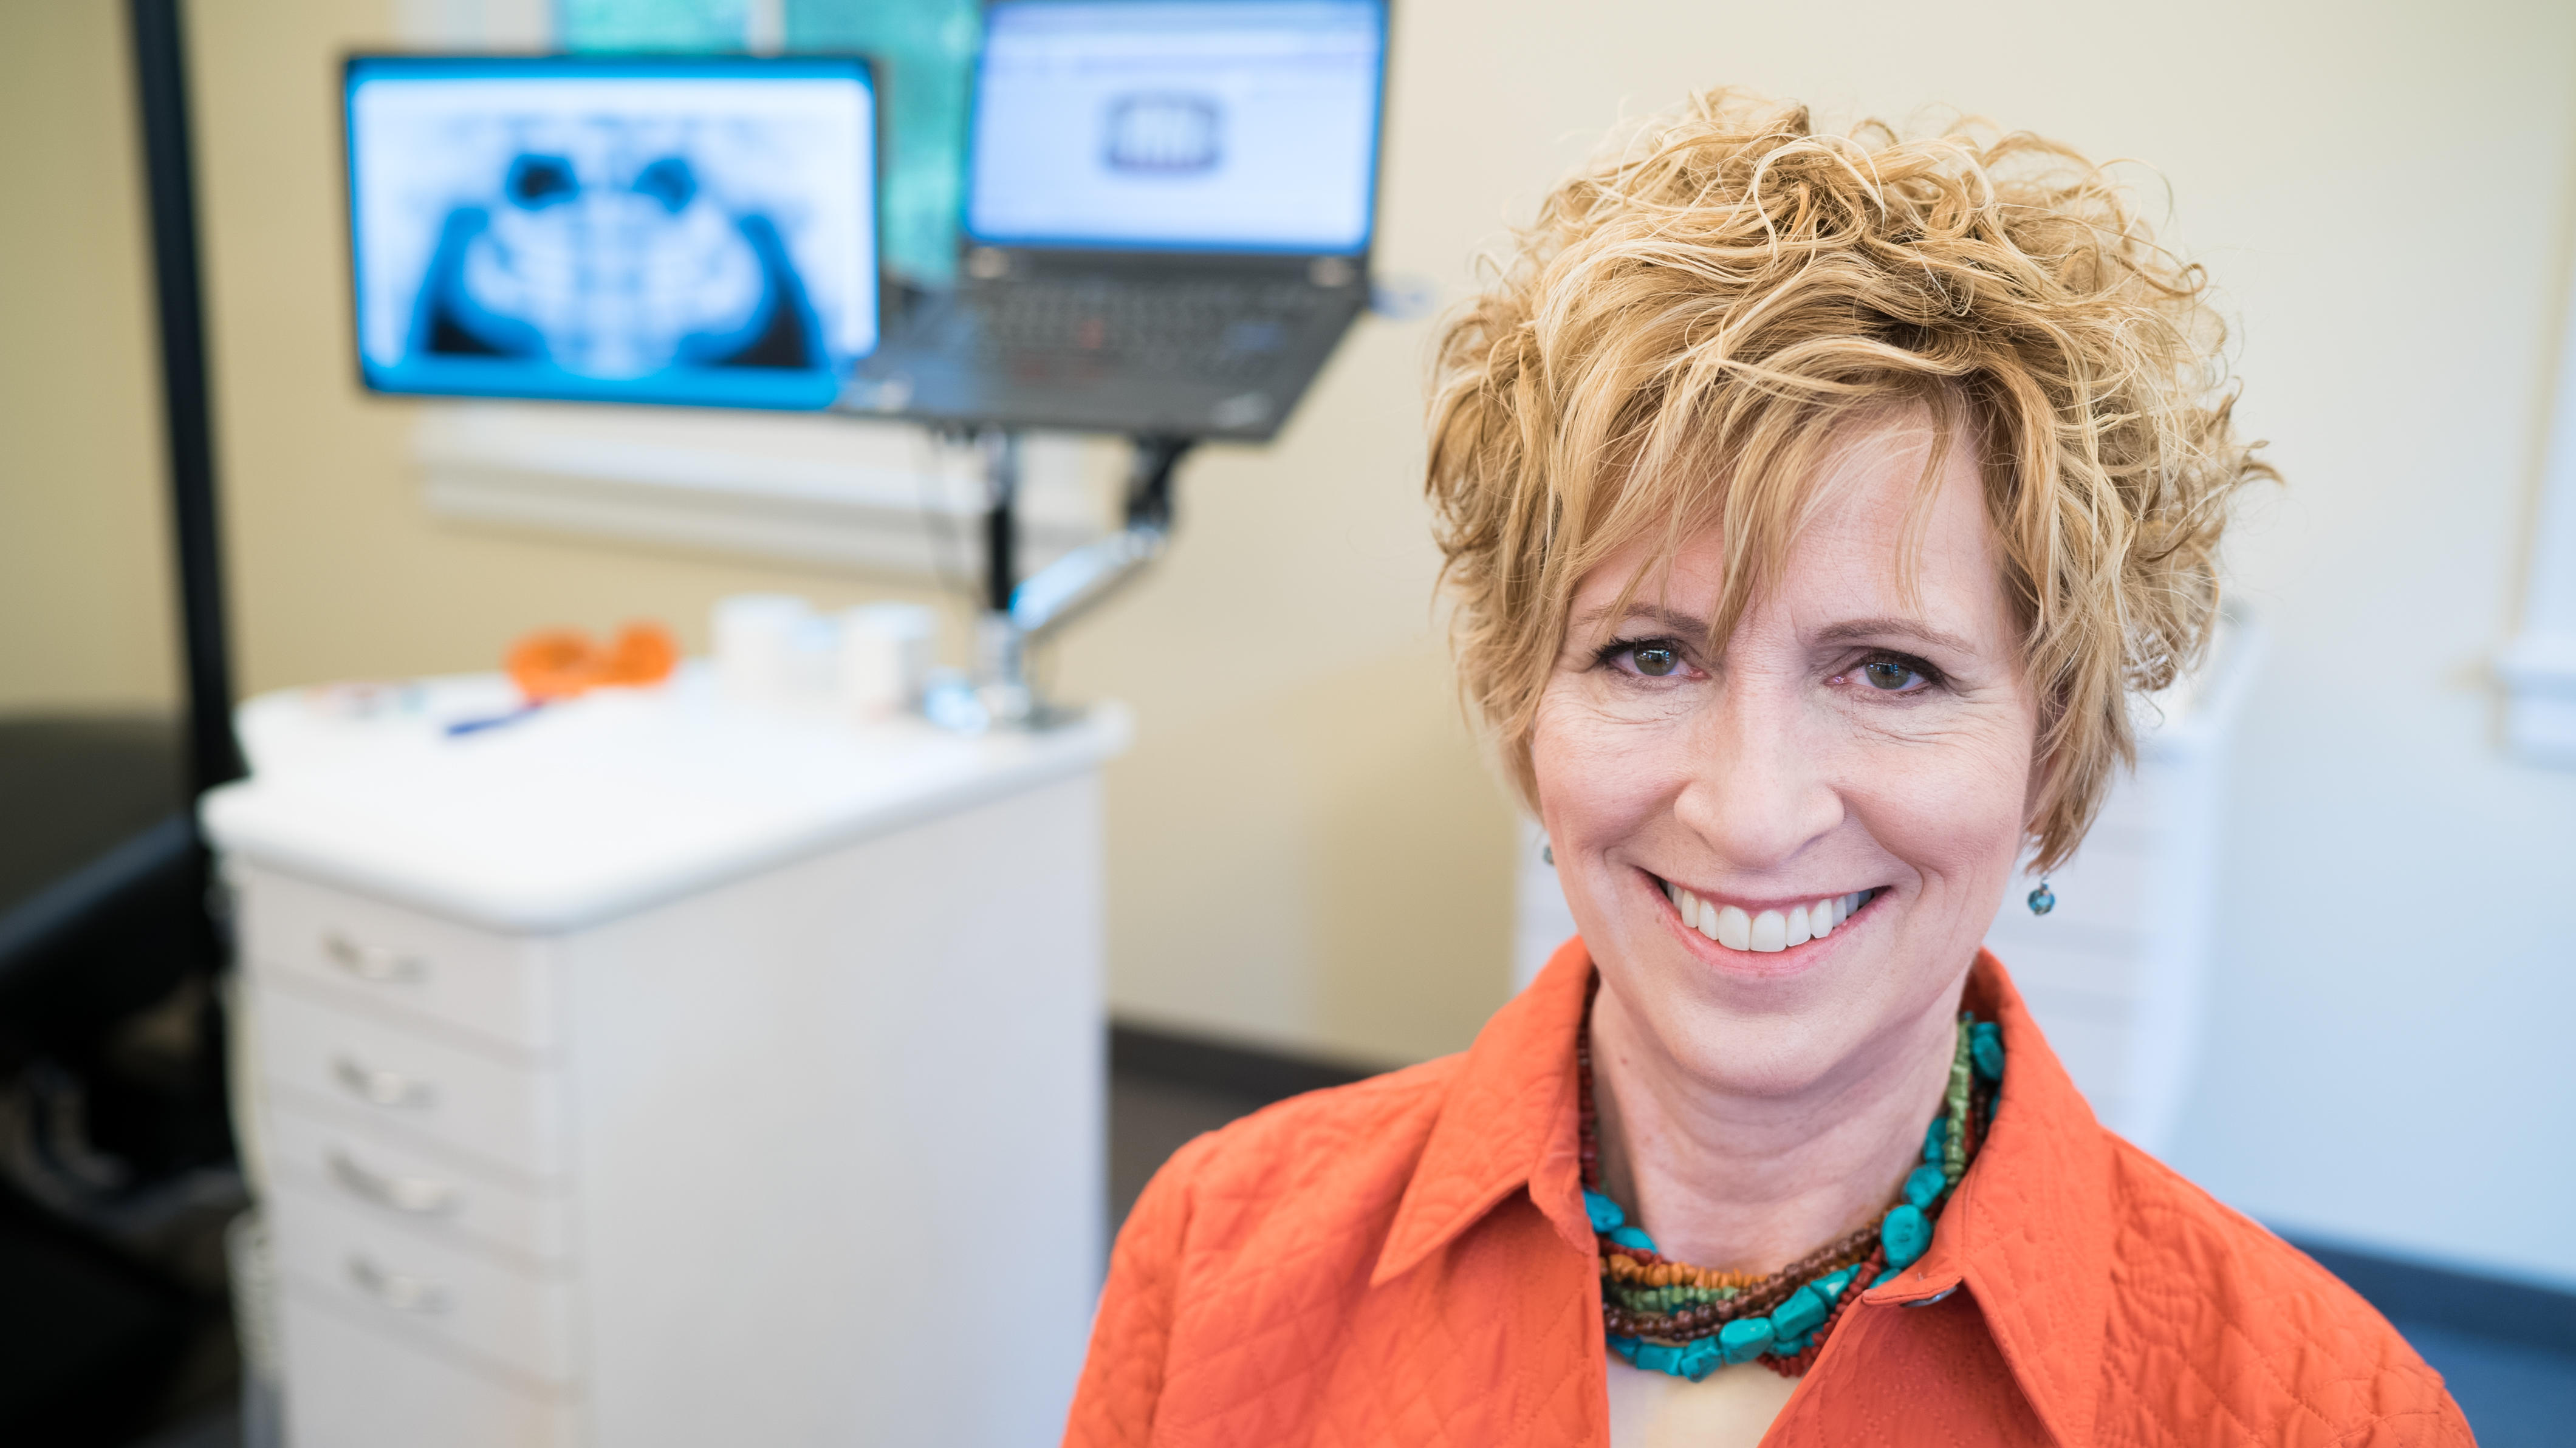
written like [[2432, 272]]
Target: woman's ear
[[2039, 793]]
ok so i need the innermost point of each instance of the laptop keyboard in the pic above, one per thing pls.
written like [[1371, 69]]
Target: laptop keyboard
[[1201, 331]]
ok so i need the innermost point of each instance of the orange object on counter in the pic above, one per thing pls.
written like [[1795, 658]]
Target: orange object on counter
[[645, 653], [563, 663]]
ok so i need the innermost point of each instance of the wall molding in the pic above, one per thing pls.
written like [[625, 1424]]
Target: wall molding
[[2538, 668], [827, 490]]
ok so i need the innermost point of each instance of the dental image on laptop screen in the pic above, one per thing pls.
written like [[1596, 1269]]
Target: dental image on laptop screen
[[1222, 125], [674, 231]]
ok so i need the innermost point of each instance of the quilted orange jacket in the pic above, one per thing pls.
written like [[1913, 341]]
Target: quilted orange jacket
[[1406, 1261]]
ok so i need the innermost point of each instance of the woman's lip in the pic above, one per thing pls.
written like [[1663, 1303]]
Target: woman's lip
[[1787, 960], [1784, 903]]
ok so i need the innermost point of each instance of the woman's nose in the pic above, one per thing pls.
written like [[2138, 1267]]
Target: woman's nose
[[1757, 789]]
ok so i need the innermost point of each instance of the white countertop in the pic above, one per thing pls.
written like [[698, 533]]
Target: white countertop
[[590, 809]]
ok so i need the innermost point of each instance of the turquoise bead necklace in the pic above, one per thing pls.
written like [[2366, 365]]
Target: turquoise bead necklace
[[1688, 1321]]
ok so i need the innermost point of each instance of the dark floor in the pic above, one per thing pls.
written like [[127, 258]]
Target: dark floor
[[2516, 1396], [1149, 1119]]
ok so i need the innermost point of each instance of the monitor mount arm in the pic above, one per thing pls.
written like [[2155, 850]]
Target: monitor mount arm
[[1018, 613]]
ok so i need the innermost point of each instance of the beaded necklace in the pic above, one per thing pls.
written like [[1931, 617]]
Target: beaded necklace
[[1688, 1321]]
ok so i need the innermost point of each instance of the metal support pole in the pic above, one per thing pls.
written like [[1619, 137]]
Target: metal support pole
[[1000, 447], [1017, 613], [1001, 659]]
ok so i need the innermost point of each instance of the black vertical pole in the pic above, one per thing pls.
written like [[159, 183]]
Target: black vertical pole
[[160, 84], [1001, 448]]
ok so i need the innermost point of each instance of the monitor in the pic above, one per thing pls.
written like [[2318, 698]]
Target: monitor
[[1204, 125], [696, 230]]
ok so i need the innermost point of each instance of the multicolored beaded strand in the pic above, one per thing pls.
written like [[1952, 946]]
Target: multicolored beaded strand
[[1688, 1321]]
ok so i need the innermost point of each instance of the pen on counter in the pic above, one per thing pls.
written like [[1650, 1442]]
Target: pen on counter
[[463, 727]]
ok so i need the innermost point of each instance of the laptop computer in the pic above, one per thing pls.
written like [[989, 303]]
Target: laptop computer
[[1169, 209]]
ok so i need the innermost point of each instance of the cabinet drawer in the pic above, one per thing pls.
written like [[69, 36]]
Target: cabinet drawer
[[509, 1116], [348, 1386], [513, 1319], [419, 1189], [497, 986]]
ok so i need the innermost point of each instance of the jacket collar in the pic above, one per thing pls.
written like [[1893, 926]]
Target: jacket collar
[[2025, 1233]]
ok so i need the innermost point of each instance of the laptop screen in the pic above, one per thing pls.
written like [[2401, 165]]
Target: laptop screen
[[1216, 125], [694, 230]]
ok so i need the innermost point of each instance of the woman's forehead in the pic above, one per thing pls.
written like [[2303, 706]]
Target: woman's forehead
[[1876, 537]]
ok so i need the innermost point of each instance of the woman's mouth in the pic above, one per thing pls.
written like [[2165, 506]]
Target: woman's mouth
[[1764, 929]]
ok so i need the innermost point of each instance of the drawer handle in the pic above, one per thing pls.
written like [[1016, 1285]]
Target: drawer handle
[[378, 963], [384, 1088], [398, 1290], [419, 1196]]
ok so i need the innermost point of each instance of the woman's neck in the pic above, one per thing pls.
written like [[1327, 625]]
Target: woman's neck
[[1750, 1182]]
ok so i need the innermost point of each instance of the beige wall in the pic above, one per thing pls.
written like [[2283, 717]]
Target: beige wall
[[85, 617], [1304, 847]]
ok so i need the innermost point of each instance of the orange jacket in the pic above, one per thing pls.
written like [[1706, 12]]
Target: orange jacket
[[1406, 1261]]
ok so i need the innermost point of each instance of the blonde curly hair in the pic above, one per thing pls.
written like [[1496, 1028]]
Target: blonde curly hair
[[1677, 341]]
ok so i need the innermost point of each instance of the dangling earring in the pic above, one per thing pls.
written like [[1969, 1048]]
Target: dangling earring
[[2042, 900], [1547, 852]]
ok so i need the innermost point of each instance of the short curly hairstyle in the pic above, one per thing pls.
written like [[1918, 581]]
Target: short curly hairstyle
[[1678, 339]]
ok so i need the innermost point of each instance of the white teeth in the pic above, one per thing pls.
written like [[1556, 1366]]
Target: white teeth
[[1697, 914], [1770, 932], [1734, 929]]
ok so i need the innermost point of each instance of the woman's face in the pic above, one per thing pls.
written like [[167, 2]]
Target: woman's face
[[1854, 740]]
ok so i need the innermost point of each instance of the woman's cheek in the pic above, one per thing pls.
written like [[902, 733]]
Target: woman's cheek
[[1951, 808], [1603, 773]]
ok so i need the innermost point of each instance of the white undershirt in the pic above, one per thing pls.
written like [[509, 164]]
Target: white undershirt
[[1730, 1408]]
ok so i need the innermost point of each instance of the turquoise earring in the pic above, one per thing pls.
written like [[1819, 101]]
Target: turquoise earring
[[2042, 900]]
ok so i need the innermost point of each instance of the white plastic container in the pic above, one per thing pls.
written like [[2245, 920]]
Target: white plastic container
[[756, 639], [884, 659]]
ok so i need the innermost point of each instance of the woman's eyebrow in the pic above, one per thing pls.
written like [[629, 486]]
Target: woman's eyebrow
[[1684, 626], [1872, 630]]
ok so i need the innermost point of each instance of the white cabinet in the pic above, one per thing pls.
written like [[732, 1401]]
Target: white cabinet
[[2115, 973], [654, 1072]]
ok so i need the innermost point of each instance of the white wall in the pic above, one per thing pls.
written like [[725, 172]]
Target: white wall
[[2384, 191]]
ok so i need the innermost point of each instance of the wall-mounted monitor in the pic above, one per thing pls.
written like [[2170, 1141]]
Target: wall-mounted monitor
[[695, 230]]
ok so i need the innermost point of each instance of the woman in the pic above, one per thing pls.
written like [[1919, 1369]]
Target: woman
[[1814, 507]]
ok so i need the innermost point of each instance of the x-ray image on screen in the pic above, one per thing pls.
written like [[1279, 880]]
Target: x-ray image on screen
[[1170, 134], [695, 231]]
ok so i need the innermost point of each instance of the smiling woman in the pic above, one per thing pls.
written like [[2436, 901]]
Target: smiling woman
[[1813, 506]]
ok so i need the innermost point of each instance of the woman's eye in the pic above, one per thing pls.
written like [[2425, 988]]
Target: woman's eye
[[1892, 676], [1655, 660]]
